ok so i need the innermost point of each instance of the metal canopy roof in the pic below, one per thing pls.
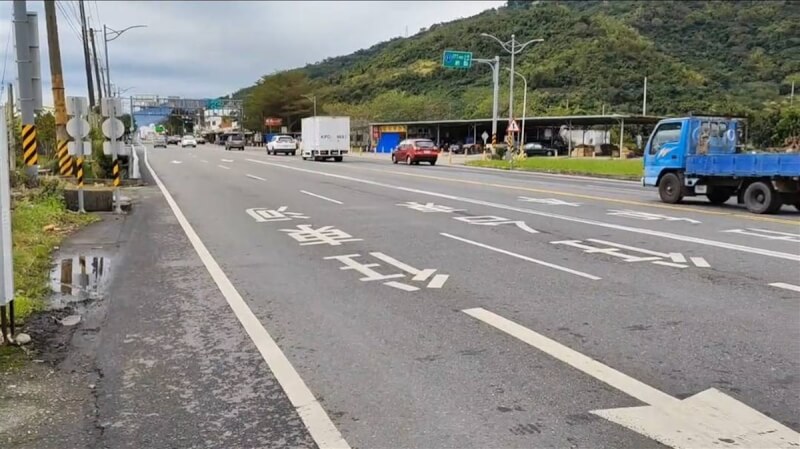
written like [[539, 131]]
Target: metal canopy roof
[[575, 120]]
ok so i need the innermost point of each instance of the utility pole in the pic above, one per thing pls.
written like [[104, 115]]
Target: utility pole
[[57, 78], [12, 145], [87, 60], [22, 34], [96, 67], [644, 100]]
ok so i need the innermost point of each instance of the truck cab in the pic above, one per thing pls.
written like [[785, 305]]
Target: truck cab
[[705, 155]]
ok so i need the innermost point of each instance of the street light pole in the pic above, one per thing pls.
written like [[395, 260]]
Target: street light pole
[[512, 48], [314, 99], [524, 106], [106, 40], [494, 63]]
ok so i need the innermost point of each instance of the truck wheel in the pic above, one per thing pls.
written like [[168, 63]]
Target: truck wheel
[[670, 188], [337, 159], [718, 195], [294, 153], [760, 198]]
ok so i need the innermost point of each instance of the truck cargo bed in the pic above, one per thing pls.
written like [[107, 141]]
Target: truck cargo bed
[[744, 165]]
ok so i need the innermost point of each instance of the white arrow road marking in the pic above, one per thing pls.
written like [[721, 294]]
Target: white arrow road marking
[[177, 162], [700, 262], [255, 177], [321, 197], [767, 234], [316, 420], [707, 419], [520, 256], [401, 286], [643, 231], [783, 285], [438, 281], [222, 166]]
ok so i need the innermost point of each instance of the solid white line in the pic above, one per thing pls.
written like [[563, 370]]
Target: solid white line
[[783, 285], [321, 197], [699, 262], [575, 359], [222, 166], [650, 232], [256, 177], [520, 256], [316, 420], [438, 281]]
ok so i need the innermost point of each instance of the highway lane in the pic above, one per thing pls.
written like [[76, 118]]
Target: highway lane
[[409, 369]]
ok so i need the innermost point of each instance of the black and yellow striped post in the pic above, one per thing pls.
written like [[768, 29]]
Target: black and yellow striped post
[[79, 171], [64, 159], [117, 174], [29, 146]]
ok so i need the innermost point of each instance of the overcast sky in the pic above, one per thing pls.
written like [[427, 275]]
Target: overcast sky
[[202, 49]]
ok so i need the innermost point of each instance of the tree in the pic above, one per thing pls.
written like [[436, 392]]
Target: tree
[[46, 133], [280, 95]]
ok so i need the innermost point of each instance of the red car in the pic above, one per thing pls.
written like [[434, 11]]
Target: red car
[[414, 151]]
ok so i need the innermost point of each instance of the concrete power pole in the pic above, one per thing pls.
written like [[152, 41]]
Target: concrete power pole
[[57, 78], [87, 60], [22, 34], [12, 144], [96, 68]]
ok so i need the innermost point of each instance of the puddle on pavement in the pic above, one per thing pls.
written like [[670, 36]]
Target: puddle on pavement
[[79, 278]]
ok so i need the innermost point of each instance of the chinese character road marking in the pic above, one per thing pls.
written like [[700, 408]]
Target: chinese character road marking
[[767, 234], [492, 220], [429, 207], [677, 260], [307, 235], [550, 201], [261, 214], [647, 216], [366, 269]]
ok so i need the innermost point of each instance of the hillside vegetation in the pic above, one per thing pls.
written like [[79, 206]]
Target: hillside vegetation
[[733, 57]]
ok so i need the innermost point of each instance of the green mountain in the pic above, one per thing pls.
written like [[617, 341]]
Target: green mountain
[[716, 56]]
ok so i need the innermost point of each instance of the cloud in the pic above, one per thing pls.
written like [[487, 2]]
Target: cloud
[[201, 49]]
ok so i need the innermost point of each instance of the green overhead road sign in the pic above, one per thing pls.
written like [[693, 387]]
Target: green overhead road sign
[[214, 104], [457, 59]]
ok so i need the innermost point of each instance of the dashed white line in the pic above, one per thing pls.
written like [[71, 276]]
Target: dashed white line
[[699, 262], [525, 258], [255, 177], [316, 420], [222, 166], [321, 197], [226, 160], [438, 281], [650, 232], [785, 286], [204, 161]]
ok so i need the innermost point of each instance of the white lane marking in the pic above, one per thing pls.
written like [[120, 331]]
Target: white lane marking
[[677, 257], [650, 232], [632, 248], [438, 281], [222, 166], [767, 234], [783, 285], [520, 256], [177, 162], [702, 420], [204, 161], [255, 177], [401, 286], [699, 262], [316, 420], [321, 197], [226, 160]]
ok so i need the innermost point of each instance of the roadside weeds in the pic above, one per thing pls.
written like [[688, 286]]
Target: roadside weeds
[[627, 169]]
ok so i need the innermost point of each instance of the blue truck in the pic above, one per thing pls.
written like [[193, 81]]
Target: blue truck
[[704, 155]]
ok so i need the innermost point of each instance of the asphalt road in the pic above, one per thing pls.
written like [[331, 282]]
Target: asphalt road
[[552, 297]]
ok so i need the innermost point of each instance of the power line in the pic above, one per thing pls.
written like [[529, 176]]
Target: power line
[[67, 18]]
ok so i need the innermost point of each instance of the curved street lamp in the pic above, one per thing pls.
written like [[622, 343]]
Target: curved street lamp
[[524, 106], [115, 34]]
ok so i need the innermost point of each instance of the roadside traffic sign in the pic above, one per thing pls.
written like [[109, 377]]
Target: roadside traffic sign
[[78, 127], [457, 59], [113, 128], [512, 127], [485, 136]]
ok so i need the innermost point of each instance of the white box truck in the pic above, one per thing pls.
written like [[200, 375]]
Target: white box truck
[[325, 137]]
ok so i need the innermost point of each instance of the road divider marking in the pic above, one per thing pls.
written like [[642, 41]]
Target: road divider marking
[[520, 256], [702, 420], [316, 420], [222, 166], [626, 228], [255, 177], [321, 197], [785, 286]]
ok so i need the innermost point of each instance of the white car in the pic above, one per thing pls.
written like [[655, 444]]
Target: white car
[[188, 141], [282, 144]]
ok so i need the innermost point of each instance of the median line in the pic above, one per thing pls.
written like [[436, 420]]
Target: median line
[[521, 257], [321, 197], [255, 177]]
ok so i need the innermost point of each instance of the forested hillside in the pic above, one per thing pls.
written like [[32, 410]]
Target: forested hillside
[[736, 57]]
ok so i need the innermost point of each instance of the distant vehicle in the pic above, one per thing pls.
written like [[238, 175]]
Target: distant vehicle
[[200, 140], [456, 148], [537, 149], [325, 138], [282, 144], [700, 156], [160, 141], [234, 141], [173, 140], [414, 151], [188, 141]]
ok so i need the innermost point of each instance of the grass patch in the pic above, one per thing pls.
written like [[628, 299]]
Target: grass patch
[[607, 168], [39, 222]]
